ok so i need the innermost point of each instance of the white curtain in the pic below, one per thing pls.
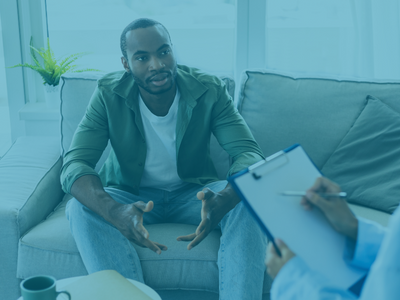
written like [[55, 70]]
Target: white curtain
[[347, 38]]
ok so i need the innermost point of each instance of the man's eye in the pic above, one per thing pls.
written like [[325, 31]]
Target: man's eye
[[141, 58], [165, 52]]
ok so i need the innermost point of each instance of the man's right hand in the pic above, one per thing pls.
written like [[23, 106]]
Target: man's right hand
[[335, 210], [128, 219]]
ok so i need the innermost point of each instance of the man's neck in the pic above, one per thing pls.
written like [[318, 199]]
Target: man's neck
[[159, 104]]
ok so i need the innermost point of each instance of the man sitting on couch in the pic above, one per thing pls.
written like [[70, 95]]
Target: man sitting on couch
[[159, 117]]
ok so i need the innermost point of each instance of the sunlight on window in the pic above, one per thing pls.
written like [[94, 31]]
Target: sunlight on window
[[202, 31], [309, 36]]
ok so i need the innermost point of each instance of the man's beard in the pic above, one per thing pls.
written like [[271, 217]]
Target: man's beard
[[146, 86]]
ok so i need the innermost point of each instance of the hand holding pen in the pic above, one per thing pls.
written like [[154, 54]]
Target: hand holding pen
[[333, 206], [327, 196]]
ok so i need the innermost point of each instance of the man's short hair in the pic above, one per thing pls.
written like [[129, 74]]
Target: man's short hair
[[138, 23]]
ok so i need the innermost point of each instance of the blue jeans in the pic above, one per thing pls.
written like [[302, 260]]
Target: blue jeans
[[240, 256]]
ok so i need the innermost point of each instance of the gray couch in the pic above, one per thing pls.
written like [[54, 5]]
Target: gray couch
[[280, 110]]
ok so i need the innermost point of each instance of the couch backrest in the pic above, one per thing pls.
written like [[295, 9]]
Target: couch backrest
[[284, 109], [75, 93], [76, 90]]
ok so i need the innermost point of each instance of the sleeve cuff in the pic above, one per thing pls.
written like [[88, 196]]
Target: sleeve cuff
[[246, 160], [73, 173], [369, 237], [290, 272]]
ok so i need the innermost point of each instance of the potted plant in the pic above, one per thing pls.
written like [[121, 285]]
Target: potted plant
[[52, 70]]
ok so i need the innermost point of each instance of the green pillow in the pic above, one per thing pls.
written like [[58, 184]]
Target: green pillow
[[366, 164]]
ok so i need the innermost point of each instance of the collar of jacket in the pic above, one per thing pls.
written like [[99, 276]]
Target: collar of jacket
[[189, 87]]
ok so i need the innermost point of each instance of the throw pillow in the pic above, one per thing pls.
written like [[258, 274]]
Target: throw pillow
[[366, 164]]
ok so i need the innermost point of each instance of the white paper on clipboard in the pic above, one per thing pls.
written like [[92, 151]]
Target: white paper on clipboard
[[307, 233]]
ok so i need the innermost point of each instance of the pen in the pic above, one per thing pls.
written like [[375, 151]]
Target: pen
[[323, 195]]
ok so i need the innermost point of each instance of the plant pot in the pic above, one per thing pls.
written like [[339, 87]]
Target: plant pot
[[52, 96]]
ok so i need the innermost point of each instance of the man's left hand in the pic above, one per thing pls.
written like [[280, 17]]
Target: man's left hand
[[214, 207], [273, 261]]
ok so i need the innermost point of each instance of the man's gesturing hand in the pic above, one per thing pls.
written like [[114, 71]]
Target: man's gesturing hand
[[214, 207], [128, 219]]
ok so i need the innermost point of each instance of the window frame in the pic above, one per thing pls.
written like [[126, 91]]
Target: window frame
[[12, 56], [23, 19]]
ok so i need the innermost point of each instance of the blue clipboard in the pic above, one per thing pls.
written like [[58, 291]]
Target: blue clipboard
[[253, 169], [256, 176], [294, 170]]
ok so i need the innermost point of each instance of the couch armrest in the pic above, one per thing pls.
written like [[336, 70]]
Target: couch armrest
[[370, 214], [29, 190]]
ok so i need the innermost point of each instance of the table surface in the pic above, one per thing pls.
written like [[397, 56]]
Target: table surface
[[144, 288]]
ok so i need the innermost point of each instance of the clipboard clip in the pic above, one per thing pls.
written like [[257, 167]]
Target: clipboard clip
[[269, 159]]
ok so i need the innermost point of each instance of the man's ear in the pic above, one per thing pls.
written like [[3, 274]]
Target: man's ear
[[125, 64]]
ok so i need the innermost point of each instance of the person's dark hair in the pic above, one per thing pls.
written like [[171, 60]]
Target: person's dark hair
[[138, 23]]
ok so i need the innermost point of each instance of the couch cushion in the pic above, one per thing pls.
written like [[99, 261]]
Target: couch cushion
[[366, 164], [76, 91], [49, 248], [284, 109]]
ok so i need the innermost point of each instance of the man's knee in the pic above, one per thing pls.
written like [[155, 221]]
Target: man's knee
[[241, 211], [240, 224], [240, 216], [74, 209]]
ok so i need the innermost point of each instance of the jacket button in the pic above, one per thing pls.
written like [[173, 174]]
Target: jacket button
[[140, 164]]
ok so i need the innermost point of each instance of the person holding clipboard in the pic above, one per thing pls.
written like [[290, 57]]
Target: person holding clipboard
[[369, 246]]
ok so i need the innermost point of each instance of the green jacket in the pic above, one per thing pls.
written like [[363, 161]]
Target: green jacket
[[113, 114]]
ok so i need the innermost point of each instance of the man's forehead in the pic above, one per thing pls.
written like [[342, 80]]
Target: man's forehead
[[146, 39]]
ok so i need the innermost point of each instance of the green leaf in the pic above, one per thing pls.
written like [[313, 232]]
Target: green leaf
[[33, 55], [86, 70], [52, 69]]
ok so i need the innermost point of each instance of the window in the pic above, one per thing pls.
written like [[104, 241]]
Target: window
[[346, 38], [5, 130], [224, 37], [307, 36], [202, 31]]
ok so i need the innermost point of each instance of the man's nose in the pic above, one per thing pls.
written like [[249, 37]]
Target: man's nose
[[156, 64]]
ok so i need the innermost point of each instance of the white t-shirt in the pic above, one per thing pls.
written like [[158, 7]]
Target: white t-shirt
[[160, 170]]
